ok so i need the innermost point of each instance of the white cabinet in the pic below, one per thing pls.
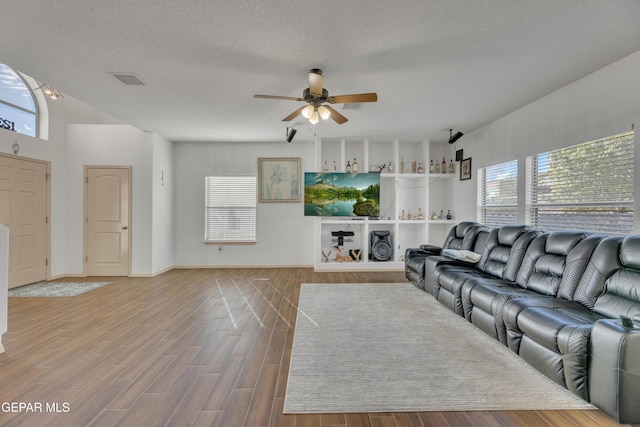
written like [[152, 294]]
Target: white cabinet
[[408, 196]]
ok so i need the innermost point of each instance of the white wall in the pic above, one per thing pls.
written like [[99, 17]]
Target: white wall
[[602, 104], [111, 145], [162, 210], [285, 236], [4, 281]]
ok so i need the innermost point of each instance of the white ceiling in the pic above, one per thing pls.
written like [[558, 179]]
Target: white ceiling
[[435, 64]]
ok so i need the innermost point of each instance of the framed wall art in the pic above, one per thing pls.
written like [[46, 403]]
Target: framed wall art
[[279, 180], [465, 169]]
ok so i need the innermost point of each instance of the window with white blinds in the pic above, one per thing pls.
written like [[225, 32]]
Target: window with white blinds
[[498, 190], [230, 209], [583, 187]]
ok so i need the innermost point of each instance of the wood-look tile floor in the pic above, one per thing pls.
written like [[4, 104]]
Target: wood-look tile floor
[[200, 347]]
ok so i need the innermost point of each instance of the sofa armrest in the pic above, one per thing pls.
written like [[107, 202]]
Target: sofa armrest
[[431, 249], [415, 252], [614, 371]]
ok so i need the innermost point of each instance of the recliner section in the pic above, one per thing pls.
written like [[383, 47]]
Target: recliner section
[[501, 259], [461, 236], [552, 298]]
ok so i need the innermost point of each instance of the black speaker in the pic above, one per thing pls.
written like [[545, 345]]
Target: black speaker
[[380, 248], [291, 134]]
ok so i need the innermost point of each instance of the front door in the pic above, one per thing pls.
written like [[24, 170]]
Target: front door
[[107, 219], [23, 208]]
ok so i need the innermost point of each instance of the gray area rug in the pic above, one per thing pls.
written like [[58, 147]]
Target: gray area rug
[[394, 348], [55, 289]]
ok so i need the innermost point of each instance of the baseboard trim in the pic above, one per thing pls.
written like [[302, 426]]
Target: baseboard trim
[[61, 276], [187, 267]]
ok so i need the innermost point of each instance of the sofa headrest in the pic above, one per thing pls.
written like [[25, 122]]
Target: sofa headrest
[[561, 242], [464, 227], [630, 252], [508, 234]]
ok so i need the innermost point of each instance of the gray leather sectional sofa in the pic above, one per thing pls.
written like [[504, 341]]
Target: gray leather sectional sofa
[[563, 301]]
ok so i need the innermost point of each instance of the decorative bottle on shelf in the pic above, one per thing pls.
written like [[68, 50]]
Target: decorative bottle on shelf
[[419, 216], [414, 167], [409, 215], [348, 167], [354, 168], [444, 166], [432, 168], [335, 168], [390, 167], [420, 168], [402, 215], [325, 167], [449, 216], [434, 216], [441, 216], [437, 167], [401, 165], [452, 166]]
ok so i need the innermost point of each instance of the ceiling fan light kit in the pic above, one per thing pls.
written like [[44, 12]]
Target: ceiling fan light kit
[[317, 96]]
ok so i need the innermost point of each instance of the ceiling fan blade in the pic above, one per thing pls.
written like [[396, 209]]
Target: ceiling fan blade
[[354, 98], [287, 98], [316, 81], [337, 117], [293, 115]]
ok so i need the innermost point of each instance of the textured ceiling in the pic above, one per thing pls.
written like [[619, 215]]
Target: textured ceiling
[[435, 64]]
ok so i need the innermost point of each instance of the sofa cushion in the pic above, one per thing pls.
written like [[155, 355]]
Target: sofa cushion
[[449, 279], [602, 263], [505, 249], [462, 236]]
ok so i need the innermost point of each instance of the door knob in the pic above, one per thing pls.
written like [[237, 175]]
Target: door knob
[[125, 228]]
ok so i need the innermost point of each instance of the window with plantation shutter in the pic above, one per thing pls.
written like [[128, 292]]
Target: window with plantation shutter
[[230, 209], [583, 187], [498, 190]]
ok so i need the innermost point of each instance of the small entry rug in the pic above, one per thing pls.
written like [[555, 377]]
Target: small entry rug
[[55, 289], [393, 348]]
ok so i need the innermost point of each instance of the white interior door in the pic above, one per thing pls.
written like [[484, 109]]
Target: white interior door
[[23, 208], [107, 202]]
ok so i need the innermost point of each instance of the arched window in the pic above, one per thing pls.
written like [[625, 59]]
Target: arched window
[[18, 110]]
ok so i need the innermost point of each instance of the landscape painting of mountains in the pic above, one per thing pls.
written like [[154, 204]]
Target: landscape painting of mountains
[[342, 194]]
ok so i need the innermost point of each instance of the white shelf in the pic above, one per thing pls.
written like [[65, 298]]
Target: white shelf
[[338, 220], [410, 192], [362, 265], [410, 175], [441, 175]]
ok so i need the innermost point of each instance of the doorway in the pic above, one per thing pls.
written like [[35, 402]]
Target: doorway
[[107, 220]]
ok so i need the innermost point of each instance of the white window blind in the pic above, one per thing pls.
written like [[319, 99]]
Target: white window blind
[[498, 190], [230, 209], [583, 187]]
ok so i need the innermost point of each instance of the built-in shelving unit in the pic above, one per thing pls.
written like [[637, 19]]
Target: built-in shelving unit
[[402, 189]]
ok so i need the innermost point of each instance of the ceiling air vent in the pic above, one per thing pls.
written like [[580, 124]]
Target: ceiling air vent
[[352, 106], [129, 79]]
